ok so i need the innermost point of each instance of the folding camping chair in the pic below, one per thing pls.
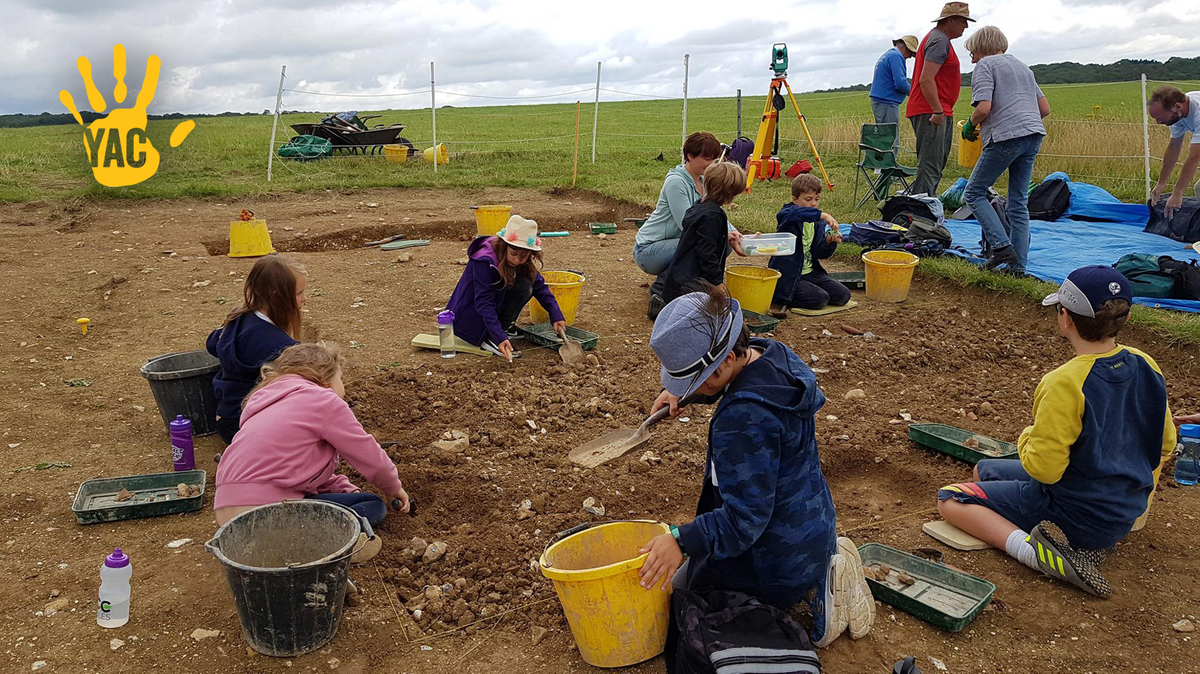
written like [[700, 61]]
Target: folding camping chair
[[877, 152]]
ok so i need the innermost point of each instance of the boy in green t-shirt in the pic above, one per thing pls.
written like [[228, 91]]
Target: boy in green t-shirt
[[803, 282]]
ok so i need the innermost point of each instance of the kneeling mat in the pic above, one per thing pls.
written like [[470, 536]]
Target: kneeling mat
[[427, 341], [830, 309], [951, 535]]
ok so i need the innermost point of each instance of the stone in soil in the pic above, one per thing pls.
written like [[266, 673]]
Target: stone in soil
[[434, 552], [855, 394], [1184, 625], [986, 408], [537, 633], [200, 634]]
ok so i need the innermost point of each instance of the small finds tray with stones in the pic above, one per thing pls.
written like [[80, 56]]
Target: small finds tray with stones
[[110, 499], [961, 443], [935, 593]]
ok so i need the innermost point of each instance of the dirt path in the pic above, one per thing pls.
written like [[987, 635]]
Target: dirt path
[[945, 350]]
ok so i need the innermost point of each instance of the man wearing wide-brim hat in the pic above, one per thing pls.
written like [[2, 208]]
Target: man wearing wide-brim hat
[[890, 84], [937, 79]]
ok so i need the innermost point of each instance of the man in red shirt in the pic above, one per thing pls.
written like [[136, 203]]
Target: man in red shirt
[[931, 103]]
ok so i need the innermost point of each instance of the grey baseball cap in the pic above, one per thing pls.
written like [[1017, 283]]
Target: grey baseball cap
[[691, 343]]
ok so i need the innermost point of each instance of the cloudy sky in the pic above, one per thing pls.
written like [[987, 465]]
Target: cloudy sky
[[226, 54]]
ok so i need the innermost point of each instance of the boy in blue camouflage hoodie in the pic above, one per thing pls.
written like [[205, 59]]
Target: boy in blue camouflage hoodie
[[766, 524]]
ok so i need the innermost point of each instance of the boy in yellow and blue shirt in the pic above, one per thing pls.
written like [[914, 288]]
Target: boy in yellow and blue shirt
[[1090, 461]]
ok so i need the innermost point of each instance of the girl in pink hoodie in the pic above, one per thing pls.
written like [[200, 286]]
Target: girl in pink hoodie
[[295, 428]]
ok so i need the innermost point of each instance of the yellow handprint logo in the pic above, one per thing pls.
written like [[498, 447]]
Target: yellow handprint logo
[[117, 145]]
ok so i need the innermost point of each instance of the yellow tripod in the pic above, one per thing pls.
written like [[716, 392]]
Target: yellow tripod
[[768, 128]]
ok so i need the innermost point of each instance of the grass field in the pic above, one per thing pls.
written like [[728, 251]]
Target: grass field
[[1094, 134], [534, 145]]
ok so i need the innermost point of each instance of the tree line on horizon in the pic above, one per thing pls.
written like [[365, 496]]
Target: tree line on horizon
[[1068, 72]]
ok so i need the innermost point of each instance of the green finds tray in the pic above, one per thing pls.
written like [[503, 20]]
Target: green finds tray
[[542, 334], [941, 596], [758, 323], [603, 227], [854, 280], [153, 495], [961, 443]]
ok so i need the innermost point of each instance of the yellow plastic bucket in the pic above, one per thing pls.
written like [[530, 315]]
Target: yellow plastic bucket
[[249, 238], [397, 154], [491, 219], [566, 286], [968, 150], [616, 622], [752, 287], [443, 157], [889, 274]]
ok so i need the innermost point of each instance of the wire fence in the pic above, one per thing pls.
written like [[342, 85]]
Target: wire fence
[[1108, 141]]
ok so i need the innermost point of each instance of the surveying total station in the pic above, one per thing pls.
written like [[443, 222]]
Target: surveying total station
[[764, 161]]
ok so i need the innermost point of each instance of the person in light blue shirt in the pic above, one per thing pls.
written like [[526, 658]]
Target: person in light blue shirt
[[890, 84]]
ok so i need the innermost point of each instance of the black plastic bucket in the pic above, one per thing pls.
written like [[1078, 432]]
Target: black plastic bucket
[[182, 383], [286, 564]]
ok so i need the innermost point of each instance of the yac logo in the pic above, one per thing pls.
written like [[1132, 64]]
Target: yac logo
[[117, 145]]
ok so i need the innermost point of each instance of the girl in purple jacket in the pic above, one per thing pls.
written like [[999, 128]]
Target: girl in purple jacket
[[500, 279]]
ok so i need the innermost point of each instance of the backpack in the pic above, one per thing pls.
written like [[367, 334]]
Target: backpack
[[926, 248], [922, 229], [723, 632], [1146, 275], [875, 233], [1184, 225], [740, 151], [926, 207], [1186, 275], [1049, 200]]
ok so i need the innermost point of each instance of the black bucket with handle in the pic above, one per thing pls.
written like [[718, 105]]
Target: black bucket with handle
[[287, 565], [182, 383]]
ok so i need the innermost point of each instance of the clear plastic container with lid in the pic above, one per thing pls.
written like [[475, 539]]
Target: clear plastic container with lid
[[1187, 467], [774, 245]]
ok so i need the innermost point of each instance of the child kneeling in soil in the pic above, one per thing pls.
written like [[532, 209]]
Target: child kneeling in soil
[[501, 277], [705, 242], [295, 429], [766, 524], [1090, 461], [256, 332], [803, 282]]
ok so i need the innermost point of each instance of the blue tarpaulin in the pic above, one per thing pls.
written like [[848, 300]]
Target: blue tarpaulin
[[1097, 229]]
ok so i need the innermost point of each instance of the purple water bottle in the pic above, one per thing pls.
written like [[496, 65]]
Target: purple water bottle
[[181, 444]]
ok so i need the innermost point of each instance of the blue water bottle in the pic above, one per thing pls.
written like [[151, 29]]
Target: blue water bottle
[[1187, 467], [182, 452]]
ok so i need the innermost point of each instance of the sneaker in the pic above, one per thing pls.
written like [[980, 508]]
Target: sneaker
[[656, 306], [830, 616], [513, 332], [861, 607], [370, 548], [490, 346], [1057, 559], [1005, 255]]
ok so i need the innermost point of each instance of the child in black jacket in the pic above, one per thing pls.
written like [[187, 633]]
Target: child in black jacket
[[804, 283], [704, 244]]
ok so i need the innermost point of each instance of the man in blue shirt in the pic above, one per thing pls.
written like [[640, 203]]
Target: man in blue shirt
[[890, 84]]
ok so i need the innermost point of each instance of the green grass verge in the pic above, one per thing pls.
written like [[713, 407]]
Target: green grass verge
[[1178, 328]]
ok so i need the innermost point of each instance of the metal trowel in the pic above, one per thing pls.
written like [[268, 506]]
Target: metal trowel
[[619, 442], [571, 352]]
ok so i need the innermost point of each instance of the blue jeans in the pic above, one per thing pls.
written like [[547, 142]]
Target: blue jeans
[[364, 503], [1015, 156], [885, 112], [654, 258]]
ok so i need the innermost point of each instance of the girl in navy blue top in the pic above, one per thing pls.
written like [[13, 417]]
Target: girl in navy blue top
[[255, 333]]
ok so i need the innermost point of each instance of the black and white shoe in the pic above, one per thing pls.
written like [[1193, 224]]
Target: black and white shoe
[[490, 346], [656, 306], [1006, 255]]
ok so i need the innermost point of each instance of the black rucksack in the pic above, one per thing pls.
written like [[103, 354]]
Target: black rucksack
[[1049, 200], [1184, 224], [875, 233], [1186, 276], [722, 632], [902, 204]]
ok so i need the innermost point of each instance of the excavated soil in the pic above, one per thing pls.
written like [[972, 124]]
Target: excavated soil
[[948, 354]]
